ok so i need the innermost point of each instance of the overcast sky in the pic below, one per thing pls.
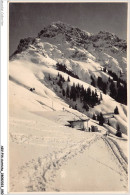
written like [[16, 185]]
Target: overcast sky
[[28, 19]]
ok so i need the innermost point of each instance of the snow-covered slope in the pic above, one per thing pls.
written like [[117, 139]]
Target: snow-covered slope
[[39, 117]]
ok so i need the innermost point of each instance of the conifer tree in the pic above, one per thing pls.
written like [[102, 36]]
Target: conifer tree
[[96, 97], [113, 92], [116, 110], [100, 96], [118, 133], [49, 77], [73, 92], [68, 79], [118, 127], [93, 82], [101, 119], [85, 106], [104, 87], [109, 79], [94, 117], [63, 92], [99, 83], [104, 69], [89, 92], [67, 91], [76, 107], [108, 122], [59, 83]]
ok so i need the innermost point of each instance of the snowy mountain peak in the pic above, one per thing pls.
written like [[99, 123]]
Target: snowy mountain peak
[[61, 32], [58, 28], [109, 36], [70, 45]]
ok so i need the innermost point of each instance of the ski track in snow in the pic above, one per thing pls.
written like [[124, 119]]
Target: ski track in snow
[[117, 153], [39, 174], [120, 158]]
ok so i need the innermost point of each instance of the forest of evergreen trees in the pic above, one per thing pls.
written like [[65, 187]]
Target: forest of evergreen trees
[[87, 97], [115, 86], [116, 89], [120, 89], [63, 68]]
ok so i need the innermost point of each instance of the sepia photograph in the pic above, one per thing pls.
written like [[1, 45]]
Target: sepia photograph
[[67, 97]]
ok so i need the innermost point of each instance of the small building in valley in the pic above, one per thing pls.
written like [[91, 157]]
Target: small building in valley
[[80, 124]]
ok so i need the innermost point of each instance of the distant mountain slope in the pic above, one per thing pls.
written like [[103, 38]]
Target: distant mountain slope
[[61, 41]]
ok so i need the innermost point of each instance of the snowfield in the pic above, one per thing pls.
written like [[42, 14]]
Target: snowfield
[[45, 153]]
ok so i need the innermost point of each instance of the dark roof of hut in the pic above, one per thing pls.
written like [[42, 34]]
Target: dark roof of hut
[[81, 120]]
